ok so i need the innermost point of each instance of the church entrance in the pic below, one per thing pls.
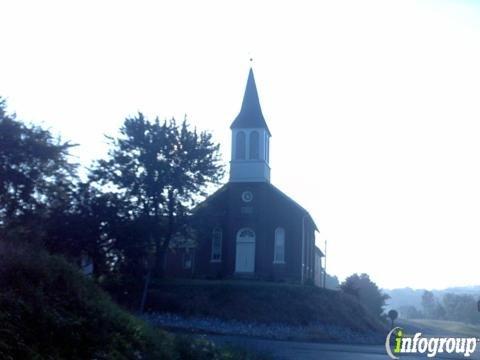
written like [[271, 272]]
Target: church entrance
[[245, 254]]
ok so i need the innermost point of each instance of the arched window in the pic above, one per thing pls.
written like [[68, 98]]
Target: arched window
[[240, 147], [254, 145], [279, 247], [217, 245], [246, 235]]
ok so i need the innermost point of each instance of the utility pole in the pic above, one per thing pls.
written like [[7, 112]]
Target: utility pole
[[325, 267]]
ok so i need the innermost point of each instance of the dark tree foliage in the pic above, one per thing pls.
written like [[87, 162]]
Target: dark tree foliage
[[48, 310], [461, 307], [90, 225], [159, 170], [134, 205], [36, 175], [366, 291]]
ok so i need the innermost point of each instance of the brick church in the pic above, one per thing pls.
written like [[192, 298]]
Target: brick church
[[249, 228]]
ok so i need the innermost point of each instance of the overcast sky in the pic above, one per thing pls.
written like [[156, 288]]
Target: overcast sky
[[373, 107]]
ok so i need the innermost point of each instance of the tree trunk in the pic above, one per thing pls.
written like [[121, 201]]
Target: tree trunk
[[145, 290], [162, 248], [161, 262]]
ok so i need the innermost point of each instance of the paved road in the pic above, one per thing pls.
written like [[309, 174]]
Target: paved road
[[283, 350]]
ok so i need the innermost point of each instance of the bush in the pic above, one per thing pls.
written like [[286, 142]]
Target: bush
[[49, 310], [367, 293]]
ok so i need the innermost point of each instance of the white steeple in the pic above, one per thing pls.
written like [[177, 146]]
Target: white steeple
[[250, 139]]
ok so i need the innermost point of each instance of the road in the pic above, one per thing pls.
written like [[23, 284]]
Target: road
[[283, 350]]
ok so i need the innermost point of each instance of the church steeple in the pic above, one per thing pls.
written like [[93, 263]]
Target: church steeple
[[250, 115], [250, 139]]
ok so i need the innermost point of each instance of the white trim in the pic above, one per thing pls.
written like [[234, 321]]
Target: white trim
[[243, 242], [236, 144], [248, 169], [259, 145]]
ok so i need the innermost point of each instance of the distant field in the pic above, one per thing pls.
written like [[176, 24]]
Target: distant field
[[443, 327]]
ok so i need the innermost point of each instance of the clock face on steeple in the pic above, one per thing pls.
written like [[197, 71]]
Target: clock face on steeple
[[247, 196]]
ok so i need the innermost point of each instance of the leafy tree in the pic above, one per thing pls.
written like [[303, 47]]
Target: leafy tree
[[366, 291], [410, 312], [461, 308], [92, 225], [439, 312], [159, 170], [36, 175], [331, 282], [428, 303]]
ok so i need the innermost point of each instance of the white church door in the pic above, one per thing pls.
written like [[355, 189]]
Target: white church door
[[245, 254]]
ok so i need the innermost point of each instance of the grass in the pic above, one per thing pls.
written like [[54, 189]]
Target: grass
[[444, 326], [260, 302]]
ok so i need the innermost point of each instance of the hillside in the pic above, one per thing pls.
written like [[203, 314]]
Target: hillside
[[49, 310], [440, 327], [261, 303]]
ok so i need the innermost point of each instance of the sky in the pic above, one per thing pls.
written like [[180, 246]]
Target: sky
[[373, 107]]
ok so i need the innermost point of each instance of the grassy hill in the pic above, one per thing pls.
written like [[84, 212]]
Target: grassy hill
[[440, 327], [261, 302], [49, 310]]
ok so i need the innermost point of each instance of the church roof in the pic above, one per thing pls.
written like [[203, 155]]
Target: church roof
[[295, 204], [222, 192], [250, 115], [320, 252]]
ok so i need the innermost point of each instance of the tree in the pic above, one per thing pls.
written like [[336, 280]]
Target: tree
[[461, 307], [428, 303], [366, 291], [331, 282], [410, 312], [35, 174], [92, 224], [159, 170]]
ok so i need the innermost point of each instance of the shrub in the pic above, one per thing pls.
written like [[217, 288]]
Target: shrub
[[49, 310]]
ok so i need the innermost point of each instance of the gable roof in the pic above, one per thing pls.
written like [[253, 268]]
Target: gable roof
[[225, 188], [210, 198], [250, 115], [295, 204], [320, 253]]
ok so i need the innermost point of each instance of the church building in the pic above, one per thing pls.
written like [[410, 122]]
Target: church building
[[249, 228]]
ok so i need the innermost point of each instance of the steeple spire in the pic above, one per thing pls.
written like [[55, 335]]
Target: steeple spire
[[250, 139], [250, 115]]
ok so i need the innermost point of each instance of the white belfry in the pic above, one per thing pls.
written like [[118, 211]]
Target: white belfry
[[250, 140]]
